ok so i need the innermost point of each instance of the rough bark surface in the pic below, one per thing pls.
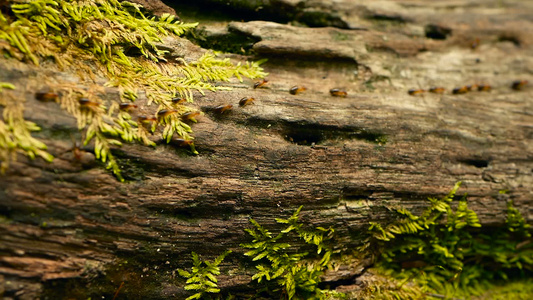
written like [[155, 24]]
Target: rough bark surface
[[70, 230]]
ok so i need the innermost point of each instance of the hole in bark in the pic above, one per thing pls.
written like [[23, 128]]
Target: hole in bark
[[510, 38], [350, 193], [309, 134], [302, 133], [478, 163], [200, 10], [306, 137], [232, 42], [437, 32], [275, 11], [332, 285]]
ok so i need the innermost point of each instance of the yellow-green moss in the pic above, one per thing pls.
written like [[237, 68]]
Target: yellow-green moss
[[114, 40]]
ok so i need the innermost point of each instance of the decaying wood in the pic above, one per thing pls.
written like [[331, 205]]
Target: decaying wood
[[70, 228]]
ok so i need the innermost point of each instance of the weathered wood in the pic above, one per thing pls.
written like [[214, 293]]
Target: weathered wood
[[67, 228]]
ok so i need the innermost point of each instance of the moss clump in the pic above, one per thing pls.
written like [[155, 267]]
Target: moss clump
[[446, 253], [296, 275], [116, 41], [517, 290]]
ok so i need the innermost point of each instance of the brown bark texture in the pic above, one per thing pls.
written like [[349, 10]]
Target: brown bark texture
[[70, 230]]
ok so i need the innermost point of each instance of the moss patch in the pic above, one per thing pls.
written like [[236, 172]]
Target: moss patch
[[116, 41]]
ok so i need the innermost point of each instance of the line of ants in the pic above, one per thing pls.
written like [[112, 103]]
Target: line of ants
[[515, 85], [162, 114], [262, 83]]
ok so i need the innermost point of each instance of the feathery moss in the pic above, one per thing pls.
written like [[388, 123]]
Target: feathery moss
[[114, 40], [445, 252]]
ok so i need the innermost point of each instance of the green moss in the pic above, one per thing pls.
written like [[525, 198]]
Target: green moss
[[203, 276], [115, 41], [445, 251], [295, 274], [515, 290]]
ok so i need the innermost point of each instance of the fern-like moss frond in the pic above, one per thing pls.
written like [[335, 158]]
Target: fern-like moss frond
[[115, 40], [294, 273], [445, 251], [203, 276]]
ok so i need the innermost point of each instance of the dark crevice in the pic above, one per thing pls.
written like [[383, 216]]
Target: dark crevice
[[437, 32], [236, 10], [411, 196], [202, 206], [193, 212], [353, 193], [478, 163], [274, 11], [135, 168], [510, 38], [305, 56], [309, 134], [332, 285], [227, 41], [315, 134], [15, 212]]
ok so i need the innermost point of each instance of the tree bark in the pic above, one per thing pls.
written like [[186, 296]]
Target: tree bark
[[69, 229]]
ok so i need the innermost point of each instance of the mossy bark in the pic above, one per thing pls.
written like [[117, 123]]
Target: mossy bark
[[70, 229]]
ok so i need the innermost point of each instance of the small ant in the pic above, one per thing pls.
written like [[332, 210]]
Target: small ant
[[475, 43], [184, 142], [437, 90], [46, 96], [222, 108], [519, 84], [127, 106], [165, 113], [246, 100], [472, 87], [414, 92], [460, 90], [297, 89], [484, 88], [178, 100], [86, 103], [260, 83], [190, 116], [77, 151], [146, 120], [338, 93]]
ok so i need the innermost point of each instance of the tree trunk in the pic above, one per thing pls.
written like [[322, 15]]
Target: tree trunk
[[70, 230]]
